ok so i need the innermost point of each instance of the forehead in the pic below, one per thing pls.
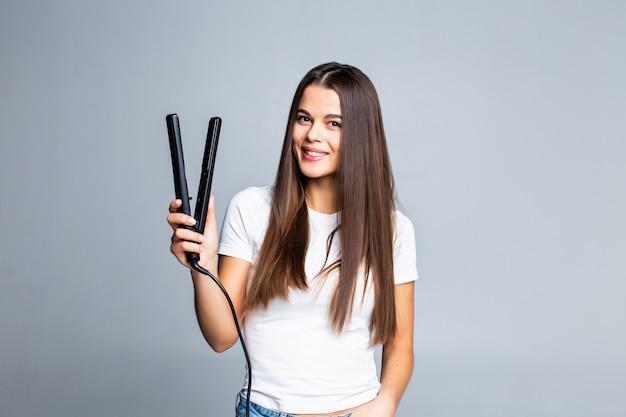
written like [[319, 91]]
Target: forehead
[[320, 100]]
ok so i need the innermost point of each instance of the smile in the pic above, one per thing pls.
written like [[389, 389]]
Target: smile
[[311, 155]]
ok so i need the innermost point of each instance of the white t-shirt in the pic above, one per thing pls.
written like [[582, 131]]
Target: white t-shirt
[[300, 365]]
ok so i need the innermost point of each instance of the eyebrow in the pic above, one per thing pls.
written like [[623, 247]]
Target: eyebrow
[[332, 116]]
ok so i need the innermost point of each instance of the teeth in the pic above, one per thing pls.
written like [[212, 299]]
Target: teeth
[[315, 153]]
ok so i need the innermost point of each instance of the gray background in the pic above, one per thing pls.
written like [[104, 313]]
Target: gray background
[[506, 126]]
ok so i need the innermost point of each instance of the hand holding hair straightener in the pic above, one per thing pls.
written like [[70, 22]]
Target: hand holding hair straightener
[[206, 178]]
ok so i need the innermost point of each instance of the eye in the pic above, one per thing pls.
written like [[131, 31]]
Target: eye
[[334, 123], [302, 118]]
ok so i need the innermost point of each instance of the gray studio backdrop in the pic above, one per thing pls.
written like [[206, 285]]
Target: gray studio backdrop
[[506, 129]]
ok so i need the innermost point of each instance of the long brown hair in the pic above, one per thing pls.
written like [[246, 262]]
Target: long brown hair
[[365, 198]]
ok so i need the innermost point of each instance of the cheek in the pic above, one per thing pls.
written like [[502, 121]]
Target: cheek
[[294, 147], [297, 133], [336, 143]]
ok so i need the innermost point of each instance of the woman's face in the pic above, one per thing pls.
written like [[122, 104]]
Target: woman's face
[[316, 132]]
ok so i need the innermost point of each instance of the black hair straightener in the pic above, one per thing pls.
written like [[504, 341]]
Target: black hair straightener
[[202, 205], [206, 177]]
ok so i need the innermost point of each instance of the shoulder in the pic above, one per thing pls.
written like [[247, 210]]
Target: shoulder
[[245, 223], [402, 223], [249, 207], [253, 197]]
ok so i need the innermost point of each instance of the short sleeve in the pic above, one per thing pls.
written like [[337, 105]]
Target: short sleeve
[[404, 252], [245, 223]]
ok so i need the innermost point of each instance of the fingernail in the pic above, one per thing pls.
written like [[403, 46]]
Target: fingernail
[[201, 238], [192, 221]]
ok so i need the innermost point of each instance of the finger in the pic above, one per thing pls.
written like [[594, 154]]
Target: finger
[[175, 204], [180, 249], [177, 220], [185, 246], [182, 234]]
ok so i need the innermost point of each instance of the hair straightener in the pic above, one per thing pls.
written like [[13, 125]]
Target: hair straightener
[[202, 205], [206, 177]]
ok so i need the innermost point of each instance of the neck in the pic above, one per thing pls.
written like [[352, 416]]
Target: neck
[[321, 195]]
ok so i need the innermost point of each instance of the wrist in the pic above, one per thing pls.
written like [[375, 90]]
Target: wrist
[[389, 400], [208, 262]]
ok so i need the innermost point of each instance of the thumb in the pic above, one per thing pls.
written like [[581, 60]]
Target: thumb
[[210, 215]]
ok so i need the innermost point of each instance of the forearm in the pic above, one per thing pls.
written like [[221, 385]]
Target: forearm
[[397, 360], [396, 370], [213, 313], [213, 310]]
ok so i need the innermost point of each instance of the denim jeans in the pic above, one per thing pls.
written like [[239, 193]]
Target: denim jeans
[[258, 411]]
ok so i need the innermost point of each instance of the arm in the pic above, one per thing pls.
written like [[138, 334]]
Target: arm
[[212, 309], [397, 359]]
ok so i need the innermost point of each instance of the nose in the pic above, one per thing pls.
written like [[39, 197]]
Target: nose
[[315, 132]]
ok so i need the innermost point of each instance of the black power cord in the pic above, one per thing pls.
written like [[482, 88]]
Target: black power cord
[[203, 271]]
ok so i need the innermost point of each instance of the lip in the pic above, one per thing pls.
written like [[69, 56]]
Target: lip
[[306, 153]]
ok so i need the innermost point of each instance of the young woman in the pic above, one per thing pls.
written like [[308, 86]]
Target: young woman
[[320, 267]]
